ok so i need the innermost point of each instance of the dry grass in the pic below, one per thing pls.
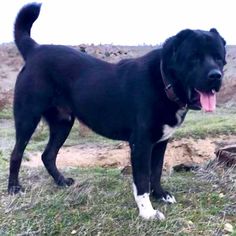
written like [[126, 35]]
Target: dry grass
[[5, 99], [223, 179], [101, 203]]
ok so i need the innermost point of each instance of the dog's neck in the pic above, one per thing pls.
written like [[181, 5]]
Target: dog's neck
[[170, 93]]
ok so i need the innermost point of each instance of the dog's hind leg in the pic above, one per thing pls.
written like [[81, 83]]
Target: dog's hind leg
[[156, 171], [60, 123], [25, 125]]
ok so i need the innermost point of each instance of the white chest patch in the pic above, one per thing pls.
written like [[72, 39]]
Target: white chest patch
[[168, 131]]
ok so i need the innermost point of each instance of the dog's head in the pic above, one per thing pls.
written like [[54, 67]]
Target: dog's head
[[193, 61]]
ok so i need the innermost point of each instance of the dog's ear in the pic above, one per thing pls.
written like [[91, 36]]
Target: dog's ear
[[214, 31], [182, 35], [171, 45], [169, 53]]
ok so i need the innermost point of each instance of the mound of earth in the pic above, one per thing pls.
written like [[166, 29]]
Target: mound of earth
[[187, 151]]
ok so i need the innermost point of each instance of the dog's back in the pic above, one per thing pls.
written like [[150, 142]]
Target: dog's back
[[59, 76]]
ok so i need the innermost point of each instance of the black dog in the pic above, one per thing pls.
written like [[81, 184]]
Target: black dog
[[140, 101]]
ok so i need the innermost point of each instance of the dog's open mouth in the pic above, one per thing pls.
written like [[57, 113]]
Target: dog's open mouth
[[203, 100], [208, 100]]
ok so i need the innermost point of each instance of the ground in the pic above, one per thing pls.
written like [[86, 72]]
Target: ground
[[188, 151]]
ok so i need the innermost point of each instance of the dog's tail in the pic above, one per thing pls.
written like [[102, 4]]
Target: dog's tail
[[24, 21]]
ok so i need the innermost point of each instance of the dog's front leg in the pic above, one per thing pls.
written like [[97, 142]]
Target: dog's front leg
[[157, 160], [141, 149]]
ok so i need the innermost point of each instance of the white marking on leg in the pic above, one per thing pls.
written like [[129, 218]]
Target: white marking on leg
[[169, 199], [146, 210]]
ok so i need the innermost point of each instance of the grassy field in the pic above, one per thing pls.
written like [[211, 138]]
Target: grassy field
[[200, 125], [101, 201]]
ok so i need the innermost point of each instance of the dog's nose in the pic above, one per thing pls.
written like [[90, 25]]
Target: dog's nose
[[214, 74]]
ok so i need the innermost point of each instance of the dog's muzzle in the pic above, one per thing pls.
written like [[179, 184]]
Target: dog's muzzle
[[214, 74], [214, 79]]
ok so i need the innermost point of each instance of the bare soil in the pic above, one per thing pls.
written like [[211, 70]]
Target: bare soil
[[187, 151]]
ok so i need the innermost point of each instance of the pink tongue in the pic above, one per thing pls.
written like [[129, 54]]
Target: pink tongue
[[208, 101]]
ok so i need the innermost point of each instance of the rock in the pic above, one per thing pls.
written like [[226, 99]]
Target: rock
[[82, 49], [228, 227], [185, 167], [73, 232], [107, 54], [221, 195], [226, 155]]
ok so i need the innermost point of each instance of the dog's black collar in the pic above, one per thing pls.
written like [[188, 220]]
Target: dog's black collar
[[170, 93]]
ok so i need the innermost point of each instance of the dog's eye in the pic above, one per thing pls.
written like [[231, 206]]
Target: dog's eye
[[218, 58]]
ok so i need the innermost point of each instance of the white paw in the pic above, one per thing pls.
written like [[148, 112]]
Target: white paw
[[146, 210], [152, 215], [169, 199]]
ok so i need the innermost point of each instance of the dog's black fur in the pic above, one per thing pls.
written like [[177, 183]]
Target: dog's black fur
[[124, 101]]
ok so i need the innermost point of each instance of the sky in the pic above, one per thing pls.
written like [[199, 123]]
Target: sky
[[120, 22]]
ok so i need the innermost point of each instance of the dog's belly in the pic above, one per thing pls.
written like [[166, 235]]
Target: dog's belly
[[117, 133], [103, 124], [108, 117], [109, 121]]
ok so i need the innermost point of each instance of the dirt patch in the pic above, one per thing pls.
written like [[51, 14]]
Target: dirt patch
[[11, 62], [188, 151]]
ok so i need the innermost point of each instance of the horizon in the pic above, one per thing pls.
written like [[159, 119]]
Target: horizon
[[119, 23]]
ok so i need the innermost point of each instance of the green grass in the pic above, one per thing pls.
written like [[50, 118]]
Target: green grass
[[6, 113], [101, 203], [200, 125]]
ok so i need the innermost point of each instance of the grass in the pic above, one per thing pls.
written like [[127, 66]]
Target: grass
[[200, 125], [6, 113], [101, 203]]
